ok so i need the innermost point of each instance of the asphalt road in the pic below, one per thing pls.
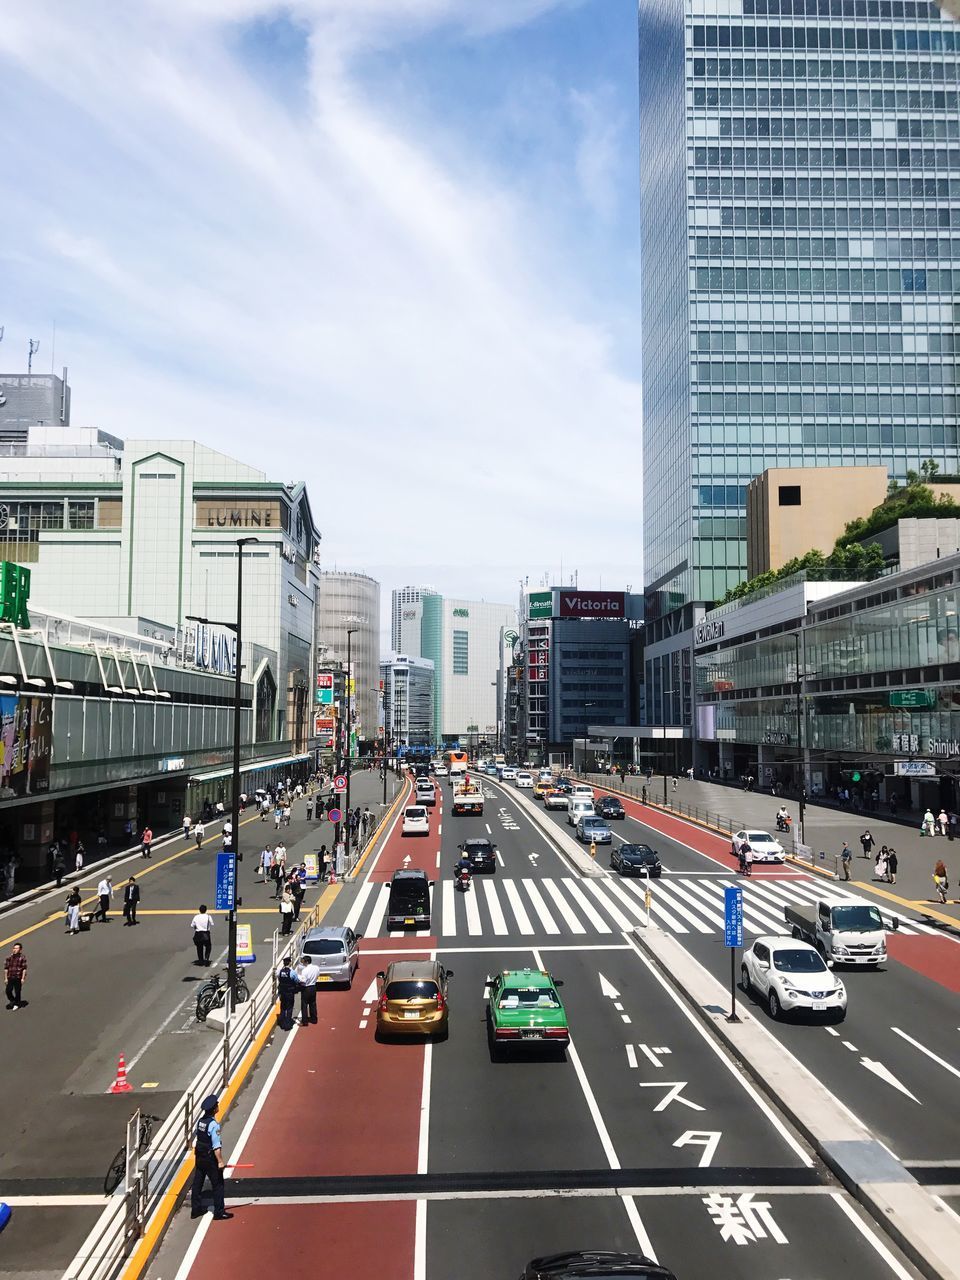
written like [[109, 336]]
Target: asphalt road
[[96, 995], [425, 1162]]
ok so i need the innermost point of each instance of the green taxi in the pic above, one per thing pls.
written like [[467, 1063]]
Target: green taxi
[[524, 1010]]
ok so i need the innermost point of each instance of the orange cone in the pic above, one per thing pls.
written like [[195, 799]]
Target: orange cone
[[121, 1084]]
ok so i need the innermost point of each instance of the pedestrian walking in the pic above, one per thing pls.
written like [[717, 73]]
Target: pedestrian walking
[[104, 893], [146, 840], [846, 851], [308, 975], [880, 866], [202, 926], [73, 911], [15, 974], [325, 860], [187, 824], [264, 808], [866, 843], [940, 881], [227, 835], [298, 890], [208, 1162], [277, 817], [309, 808], [199, 831], [846, 857], [891, 866], [673, 785], [78, 860], [892, 804], [59, 866], [219, 810], [942, 821], [288, 984], [286, 911], [929, 823], [131, 899], [266, 862], [286, 815]]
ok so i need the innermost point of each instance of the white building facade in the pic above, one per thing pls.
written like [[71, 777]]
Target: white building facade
[[463, 640]]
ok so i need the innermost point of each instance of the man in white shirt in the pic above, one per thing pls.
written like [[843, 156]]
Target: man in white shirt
[[309, 975], [202, 926], [266, 862], [105, 893]]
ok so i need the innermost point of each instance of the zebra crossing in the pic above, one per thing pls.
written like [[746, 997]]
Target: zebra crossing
[[528, 906]]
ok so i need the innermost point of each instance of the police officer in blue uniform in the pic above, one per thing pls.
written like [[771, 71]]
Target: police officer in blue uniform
[[209, 1161], [288, 984]]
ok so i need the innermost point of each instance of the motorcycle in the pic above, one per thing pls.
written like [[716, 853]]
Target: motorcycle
[[462, 878], [783, 823]]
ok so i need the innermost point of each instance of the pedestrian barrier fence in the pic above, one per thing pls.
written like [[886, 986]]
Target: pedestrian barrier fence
[[129, 1213]]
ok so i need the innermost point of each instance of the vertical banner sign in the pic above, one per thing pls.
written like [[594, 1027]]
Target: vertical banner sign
[[245, 954], [226, 894], [312, 864], [733, 938]]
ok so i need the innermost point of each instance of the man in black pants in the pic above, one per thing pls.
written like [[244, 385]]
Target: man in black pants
[[288, 984], [202, 925], [131, 897], [209, 1162], [309, 974]]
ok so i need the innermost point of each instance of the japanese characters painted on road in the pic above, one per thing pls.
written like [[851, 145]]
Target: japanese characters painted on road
[[709, 1139], [335, 815], [653, 1054], [339, 783], [674, 1093], [245, 952], [742, 1219]]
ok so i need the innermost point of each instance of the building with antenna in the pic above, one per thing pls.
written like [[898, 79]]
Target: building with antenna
[[31, 400]]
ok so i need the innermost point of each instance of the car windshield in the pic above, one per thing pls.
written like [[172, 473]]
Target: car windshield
[[323, 947], [865, 918], [528, 998], [798, 962], [480, 847], [412, 989], [759, 837], [592, 824]]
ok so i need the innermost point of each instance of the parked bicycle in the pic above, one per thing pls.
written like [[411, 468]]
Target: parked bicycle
[[118, 1167], [213, 993]]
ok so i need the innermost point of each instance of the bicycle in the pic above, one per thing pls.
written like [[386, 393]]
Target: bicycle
[[118, 1167], [213, 994]]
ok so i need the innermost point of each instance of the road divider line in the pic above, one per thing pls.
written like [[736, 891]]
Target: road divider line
[[929, 1052], [356, 910], [899, 1271]]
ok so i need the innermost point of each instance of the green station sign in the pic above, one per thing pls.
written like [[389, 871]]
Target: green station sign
[[14, 593], [913, 698]]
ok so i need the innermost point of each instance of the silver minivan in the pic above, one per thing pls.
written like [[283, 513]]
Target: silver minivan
[[335, 950]]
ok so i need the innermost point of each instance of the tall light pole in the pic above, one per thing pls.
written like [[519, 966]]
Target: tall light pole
[[351, 632], [799, 712], [237, 629]]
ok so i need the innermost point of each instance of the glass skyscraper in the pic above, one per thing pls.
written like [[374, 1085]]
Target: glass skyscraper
[[800, 165]]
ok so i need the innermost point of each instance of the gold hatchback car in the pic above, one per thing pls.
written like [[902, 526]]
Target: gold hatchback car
[[413, 999]]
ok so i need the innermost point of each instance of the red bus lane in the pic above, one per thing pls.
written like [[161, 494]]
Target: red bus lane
[[420, 850]]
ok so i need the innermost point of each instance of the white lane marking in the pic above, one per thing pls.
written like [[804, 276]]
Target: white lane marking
[[439, 828], [489, 828], [546, 919], [420, 1241], [493, 906], [438, 859], [385, 839], [379, 911], [671, 895], [870, 1236], [474, 925], [633, 1215], [715, 900], [448, 925], [363, 1024], [178, 1011], [707, 906], [264, 1093], [768, 919], [705, 1035], [847, 1045], [570, 917], [929, 1052], [423, 1151], [631, 1056], [614, 912], [356, 911], [629, 901], [193, 1248], [587, 907], [657, 908], [832, 1031], [500, 858], [519, 910]]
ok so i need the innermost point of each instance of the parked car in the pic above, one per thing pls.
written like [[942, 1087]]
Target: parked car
[[792, 977]]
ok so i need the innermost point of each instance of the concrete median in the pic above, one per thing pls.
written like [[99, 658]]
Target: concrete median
[[566, 845]]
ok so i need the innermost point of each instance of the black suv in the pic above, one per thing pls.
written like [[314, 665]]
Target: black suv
[[608, 807], [409, 902], [482, 854], [635, 860], [595, 1262]]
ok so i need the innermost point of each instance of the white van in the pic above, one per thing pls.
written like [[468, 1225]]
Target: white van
[[580, 791], [579, 807]]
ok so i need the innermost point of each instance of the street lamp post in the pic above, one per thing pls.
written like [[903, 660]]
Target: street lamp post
[[237, 629], [800, 759], [351, 632]]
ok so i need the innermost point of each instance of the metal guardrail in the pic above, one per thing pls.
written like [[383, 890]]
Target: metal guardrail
[[128, 1214]]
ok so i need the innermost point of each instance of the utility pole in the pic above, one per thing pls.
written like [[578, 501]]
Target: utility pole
[[351, 632]]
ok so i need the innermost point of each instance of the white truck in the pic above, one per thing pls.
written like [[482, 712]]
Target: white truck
[[845, 932], [467, 796]]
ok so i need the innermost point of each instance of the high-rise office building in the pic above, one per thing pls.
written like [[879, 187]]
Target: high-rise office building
[[406, 615], [462, 639], [351, 602], [407, 700], [800, 178], [29, 400]]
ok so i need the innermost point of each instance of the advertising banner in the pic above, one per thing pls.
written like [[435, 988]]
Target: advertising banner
[[24, 745], [540, 604], [592, 604]]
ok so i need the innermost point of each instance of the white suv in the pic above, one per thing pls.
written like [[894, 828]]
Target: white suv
[[524, 779], [416, 821], [792, 977], [508, 773]]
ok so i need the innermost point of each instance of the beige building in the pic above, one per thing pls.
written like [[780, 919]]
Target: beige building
[[793, 510]]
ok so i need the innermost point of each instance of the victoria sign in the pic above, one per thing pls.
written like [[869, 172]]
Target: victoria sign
[[593, 604]]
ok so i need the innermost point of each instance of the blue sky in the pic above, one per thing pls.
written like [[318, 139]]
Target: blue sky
[[386, 246]]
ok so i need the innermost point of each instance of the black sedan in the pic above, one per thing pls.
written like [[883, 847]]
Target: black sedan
[[481, 852], [636, 860], [595, 1262], [609, 807]]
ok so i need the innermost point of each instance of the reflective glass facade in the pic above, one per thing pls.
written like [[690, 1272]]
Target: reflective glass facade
[[801, 181]]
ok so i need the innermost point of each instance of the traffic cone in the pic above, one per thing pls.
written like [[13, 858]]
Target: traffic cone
[[121, 1084]]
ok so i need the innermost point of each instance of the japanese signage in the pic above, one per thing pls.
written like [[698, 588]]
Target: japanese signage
[[226, 892], [776, 739], [325, 697], [323, 728], [171, 764], [911, 743], [540, 604], [733, 916], [593, 604], [913, 698], [24, 745], [14, 593], [914, 769]]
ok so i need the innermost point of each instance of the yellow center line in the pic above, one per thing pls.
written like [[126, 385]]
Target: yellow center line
[[87, 901], [914, 905]]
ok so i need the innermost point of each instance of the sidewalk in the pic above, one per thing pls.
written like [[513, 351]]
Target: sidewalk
[[731, 808]]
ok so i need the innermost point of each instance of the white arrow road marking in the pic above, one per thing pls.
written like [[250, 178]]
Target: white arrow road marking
[[407, 860], [674, 1089], [533, 858], [608, 989], [923, 1049], [886, 1074], [709, 1139], [370, 995]]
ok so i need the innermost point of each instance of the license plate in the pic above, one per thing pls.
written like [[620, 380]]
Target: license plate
[[411, 1013], [325, 977], [819, 1005], [409, 920], [531, 1035]]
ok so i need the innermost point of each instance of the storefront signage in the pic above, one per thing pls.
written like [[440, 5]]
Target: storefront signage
[[325, 680], [913, 698], [172, 764], [240, 518], [461, 613], [323, 727], [14, 593], [776, 739], [593, 604], [213, 649], [914, 769], [707, 632], [913, 743], [540, 604], [325, 697]]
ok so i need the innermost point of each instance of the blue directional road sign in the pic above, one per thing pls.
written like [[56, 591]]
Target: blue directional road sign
[[226, 882], [733, 916]]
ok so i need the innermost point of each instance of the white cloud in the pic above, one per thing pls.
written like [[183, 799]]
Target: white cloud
[[599, 149], [321, 294]]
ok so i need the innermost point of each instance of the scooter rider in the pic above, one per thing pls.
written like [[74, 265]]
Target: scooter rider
[[783, 818], [462, 870]]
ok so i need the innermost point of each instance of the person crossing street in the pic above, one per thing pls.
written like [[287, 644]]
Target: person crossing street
[[104, 893], [198, 833], [202, 926], [15, 974], [131, 898]]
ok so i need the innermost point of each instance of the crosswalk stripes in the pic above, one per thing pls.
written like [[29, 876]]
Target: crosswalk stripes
[[524, 906]]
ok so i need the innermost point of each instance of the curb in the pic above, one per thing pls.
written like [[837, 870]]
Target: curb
[[401, 795], [927, 1233]]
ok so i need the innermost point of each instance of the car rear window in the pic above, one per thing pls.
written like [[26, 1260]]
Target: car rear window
[[528, 998], [411, 989], [323, 947], [416, 813], [414, 891]]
